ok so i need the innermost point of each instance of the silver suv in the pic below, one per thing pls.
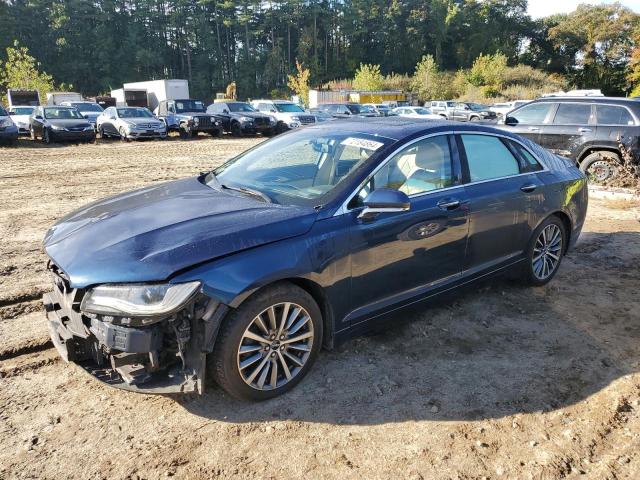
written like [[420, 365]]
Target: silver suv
[[288, 114]]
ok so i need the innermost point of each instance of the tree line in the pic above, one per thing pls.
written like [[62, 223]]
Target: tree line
[[98, 45]]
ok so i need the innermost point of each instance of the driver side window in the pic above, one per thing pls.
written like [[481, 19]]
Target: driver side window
[[422, 167]]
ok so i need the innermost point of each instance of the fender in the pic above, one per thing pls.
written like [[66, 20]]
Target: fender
[[609, 146]]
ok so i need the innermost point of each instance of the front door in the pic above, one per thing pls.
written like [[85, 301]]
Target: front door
[[399, 256]]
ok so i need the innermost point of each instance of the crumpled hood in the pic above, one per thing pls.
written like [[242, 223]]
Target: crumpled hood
[[149, 234]]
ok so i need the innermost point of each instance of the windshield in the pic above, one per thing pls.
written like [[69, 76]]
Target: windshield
[[240, 107], [133, 112], [354, 108], [87, 106], [289, 108], [189, 106], [422, 111], [23, 110], [60, 113], [299, 167], [476, 106]]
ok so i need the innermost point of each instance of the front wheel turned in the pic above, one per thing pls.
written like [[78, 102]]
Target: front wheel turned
[[545, 251], [268, 344]]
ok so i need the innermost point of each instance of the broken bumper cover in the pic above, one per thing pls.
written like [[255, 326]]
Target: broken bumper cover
[[168, 356]]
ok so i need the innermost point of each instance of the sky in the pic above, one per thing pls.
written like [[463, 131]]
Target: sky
[[543, 8]]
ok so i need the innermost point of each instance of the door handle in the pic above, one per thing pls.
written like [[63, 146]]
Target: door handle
[[448, 204], [528, 188], [584, 130], [533, 129]]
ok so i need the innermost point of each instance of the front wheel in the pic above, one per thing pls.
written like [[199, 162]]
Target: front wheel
[[545, 251], [268, 344], [32, 133], [46, 136], [236, 129], [123, 135]]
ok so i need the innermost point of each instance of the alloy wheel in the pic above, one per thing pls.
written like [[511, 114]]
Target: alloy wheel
[[275, 346], [547, 252]]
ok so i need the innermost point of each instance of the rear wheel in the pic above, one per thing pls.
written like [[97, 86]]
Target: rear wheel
[[545, 251], [268, 344], [600, 167]]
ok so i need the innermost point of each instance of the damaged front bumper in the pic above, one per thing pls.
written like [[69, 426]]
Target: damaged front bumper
[[164, 355]]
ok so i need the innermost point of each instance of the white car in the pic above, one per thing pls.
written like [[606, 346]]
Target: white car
[[20, 116], [502, 109], [129, 123], [416, 112], [288, 114]]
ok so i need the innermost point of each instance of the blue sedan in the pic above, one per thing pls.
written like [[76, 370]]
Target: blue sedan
[[304, 241]]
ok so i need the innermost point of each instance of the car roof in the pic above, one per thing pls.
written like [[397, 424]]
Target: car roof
[[587, 99], [398, 128]]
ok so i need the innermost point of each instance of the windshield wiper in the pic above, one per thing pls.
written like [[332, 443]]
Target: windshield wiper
[[249, 191]]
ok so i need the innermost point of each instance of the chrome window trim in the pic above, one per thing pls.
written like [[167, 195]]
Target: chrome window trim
[[343, 208]]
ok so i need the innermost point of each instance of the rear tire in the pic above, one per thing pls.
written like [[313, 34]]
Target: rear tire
[[254, 357], [545, 251], [600, 166]]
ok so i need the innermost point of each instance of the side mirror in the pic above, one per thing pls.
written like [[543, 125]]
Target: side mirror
[[38, 117], [12, 113], [384, 200], [510, 121]]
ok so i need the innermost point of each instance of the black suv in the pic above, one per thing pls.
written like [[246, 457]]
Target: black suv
[[585, 129], [240, 118]]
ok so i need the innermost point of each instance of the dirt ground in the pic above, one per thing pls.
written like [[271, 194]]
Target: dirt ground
[[504, 382]]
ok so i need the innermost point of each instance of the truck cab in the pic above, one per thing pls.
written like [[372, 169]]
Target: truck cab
[[188, 117]]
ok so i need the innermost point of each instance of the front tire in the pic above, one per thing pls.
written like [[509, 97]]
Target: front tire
[[46, 136], [236, 129], [268, 344], [545, 251], [32, 134], [123, 135]]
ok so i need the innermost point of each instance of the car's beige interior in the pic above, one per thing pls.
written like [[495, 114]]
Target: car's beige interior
[[419, 169]]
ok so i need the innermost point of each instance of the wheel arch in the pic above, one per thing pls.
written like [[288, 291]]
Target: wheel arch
[[568, 225], [597, 148], [318, 294]]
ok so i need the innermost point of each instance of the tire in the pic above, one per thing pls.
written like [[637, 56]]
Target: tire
[[281, 128], [236, 129], [552, 233], [46, 136], [216, 133], [101, 132], [185, 133], [259, 358], [32, 133], [600, 166], [123, 135], [474, 119]]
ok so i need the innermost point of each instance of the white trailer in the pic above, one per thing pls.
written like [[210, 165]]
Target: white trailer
[[159, 90], [56, 98], [130, 97]]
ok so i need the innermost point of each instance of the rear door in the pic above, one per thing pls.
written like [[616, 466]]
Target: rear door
[[499, 201], [573, 124], [529, 119]]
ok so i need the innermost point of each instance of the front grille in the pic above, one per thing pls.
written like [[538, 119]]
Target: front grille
[[148, 126], [261, 121], [76, 129], [204, 121], [307, 119]]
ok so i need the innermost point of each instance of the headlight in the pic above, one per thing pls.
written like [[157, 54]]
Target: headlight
[[138, 299], [57, 127], [131, 126], [295, 118], [213, 119], [90, 127], [196, 121], [246, 119]]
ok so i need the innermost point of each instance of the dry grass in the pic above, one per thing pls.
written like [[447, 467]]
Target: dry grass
[[622, 203]]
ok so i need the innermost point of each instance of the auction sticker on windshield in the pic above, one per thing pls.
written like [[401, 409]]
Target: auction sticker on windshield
[[362, 143]]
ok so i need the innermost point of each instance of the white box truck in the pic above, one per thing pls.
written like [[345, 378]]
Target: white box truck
[[130, 97], [23, 98], [56, 98], [159, 90]]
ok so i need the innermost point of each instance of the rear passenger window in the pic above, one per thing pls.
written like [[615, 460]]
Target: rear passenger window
[[488, 158], [573, 114], [610, 115]]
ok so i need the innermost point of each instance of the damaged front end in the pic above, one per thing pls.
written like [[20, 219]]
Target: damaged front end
[[142, 352]]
